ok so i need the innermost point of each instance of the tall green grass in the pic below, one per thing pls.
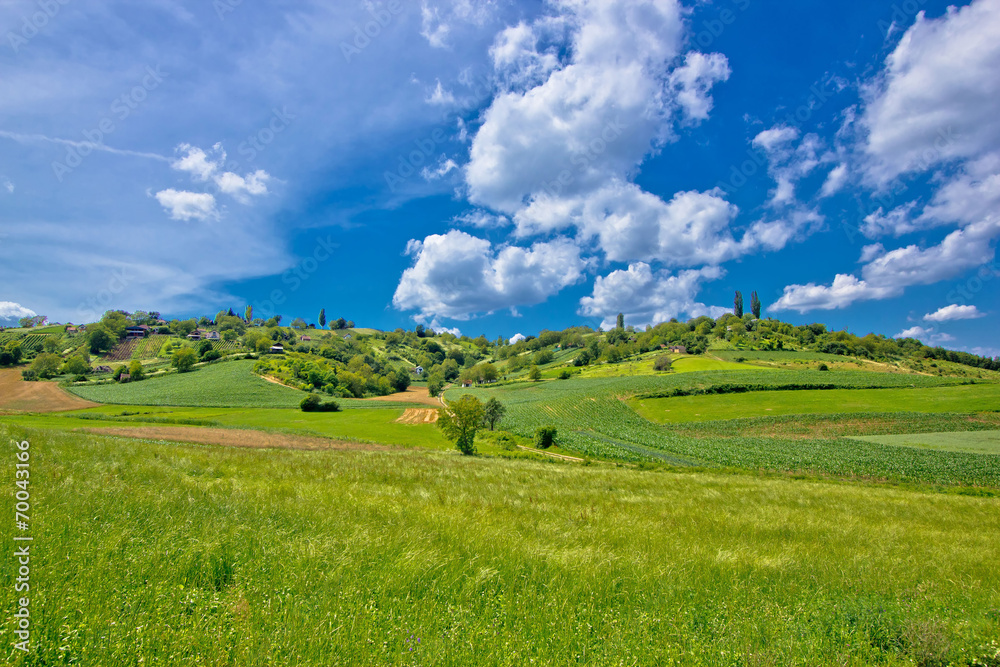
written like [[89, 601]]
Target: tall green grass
[[166, 555]]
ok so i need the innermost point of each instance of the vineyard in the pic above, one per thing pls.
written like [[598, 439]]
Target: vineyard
[[594, 420], [123, 351], [27, 341], [148, 348]]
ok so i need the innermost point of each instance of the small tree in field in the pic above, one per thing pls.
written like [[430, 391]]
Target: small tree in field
[[493, 412], [136, 371], [46, 365], [755, 304], [738, 304], [545, 437], [662, 363], [184, 359], [535, 374], [460, 421]]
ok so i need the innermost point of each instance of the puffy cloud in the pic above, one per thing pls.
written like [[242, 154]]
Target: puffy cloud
[[954, 312], [438, 19], [456, 275], [11, 312], [835, 181], [938, 98], [482, 219], [925, 335], [183, 205], [631, 224], [888, 273], [517, 338], [897, 222], [648, 297], [211, 167], [594, 116], [844, 291], [446, 166]]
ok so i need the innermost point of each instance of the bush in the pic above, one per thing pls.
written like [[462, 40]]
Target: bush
[[824, 367], [313, 403], [662, 363], [545, 437], [29, 375], [565, 375], [80, 378], [211, 355]]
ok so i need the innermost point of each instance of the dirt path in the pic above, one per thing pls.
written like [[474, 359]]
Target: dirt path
[[412, 395], [17, 395], [415, 416], [552, 454], [232, 438]]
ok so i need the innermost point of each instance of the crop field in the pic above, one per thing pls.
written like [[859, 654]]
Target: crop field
[[149, 347], [699, 364], [982, 442], [967, 398], [229, 384], [593, 420], [776, 355], [164, 554], [123, 351]]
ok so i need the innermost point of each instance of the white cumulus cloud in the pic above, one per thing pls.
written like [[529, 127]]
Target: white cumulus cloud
[[954, 312], [182, 205], [11, 312], [648, 297], [457, 275]]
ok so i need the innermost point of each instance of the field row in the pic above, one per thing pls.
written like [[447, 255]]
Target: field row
[[593, 419]]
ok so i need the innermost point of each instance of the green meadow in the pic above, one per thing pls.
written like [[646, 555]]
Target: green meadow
[[160, 554], [970, 398], [983, 442]]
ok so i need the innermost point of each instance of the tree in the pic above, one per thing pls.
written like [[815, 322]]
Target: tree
[[621, 321], [350, 324], [299, 323], [534, 374], [435, 384], [400, 380], [136, 371], [101, 340], [493, 412], [15, 352], [46, 365], [322, 317], [545, 437], [755, 304], [341, 323], [183, 359], [204, 347], [76, 365], [460, 421], [248, 314], [662, 363], [738, 304]]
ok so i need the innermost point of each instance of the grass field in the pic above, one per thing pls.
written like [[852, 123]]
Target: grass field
[[229, 384], [161, 554], [593, 419], [971, 398], [375, 425], [983, 442], [698, 364]]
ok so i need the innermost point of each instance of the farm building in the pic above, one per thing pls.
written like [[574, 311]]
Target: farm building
[[124, 377], [277, 349], [136, 331], [212, 335], [103, 369], [678, 349], [419, 370], [305, 338]]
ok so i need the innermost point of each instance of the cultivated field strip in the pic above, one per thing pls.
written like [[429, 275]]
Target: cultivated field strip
[[593, 419]]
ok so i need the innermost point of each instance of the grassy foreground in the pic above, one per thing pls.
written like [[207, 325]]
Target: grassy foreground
[[156, 554]]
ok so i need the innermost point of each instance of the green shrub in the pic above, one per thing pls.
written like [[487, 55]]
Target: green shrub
[[313, 403], [662, 363], [824, 367], [545, 437], [29, 375]]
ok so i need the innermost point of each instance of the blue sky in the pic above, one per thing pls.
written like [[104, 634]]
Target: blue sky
[[497, 166]]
